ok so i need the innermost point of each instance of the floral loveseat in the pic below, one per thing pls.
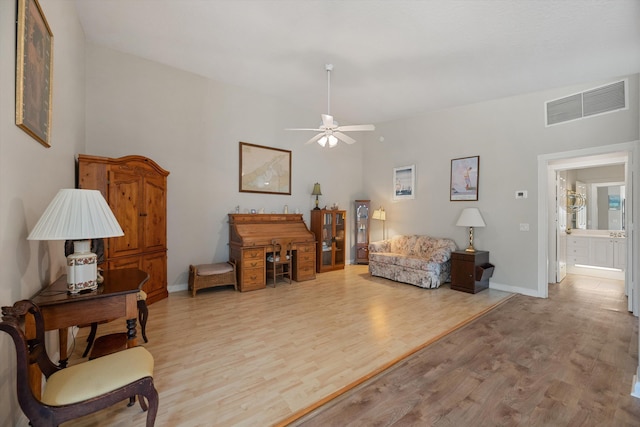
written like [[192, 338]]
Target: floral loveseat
[[418, 260]]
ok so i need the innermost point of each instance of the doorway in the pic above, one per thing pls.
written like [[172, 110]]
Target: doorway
[[550, 252]]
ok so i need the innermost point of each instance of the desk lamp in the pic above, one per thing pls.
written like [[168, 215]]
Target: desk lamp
[[78, 215], [316, 192], [470, 217]]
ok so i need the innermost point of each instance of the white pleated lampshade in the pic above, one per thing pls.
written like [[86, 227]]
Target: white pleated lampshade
[[76, 214]]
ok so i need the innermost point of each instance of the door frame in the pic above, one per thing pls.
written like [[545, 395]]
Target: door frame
[[547, 166]]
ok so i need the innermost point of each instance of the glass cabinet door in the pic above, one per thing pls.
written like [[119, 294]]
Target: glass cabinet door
[[362, 231], [339, 239], [329, 227], [362, 223], [327, 239]]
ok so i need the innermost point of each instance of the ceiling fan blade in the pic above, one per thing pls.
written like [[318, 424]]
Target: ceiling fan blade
[[317, 130], [350, 128], [315, 138], [327, 121], [341, 136]]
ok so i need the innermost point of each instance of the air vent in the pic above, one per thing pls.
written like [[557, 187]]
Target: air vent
[[600, 100]]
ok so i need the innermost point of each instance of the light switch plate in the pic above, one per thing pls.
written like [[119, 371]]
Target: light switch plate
[[521, 194]]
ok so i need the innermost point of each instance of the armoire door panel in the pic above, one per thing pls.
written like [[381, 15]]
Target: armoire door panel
[[155, 265], [124, 198], [154, 214]]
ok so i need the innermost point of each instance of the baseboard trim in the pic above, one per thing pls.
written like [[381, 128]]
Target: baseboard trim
[[515, 289], [177, 287]]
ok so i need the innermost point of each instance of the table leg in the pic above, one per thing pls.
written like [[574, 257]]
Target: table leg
[[63, 334], [131, 332]]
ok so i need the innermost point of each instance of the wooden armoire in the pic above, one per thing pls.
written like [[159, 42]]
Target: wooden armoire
[[136, 189]]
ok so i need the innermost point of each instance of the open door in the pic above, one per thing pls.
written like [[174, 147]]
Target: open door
[[561, 225], [631, 282]]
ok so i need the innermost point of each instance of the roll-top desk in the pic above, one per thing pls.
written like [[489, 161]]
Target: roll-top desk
[[250, 237]]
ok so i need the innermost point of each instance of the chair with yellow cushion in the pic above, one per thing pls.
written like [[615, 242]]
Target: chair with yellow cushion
[[81, 389]]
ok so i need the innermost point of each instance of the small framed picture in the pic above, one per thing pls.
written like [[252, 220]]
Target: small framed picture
[[404, 182], [465, 173]]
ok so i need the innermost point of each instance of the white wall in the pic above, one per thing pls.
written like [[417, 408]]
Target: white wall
[[508, 134], [31, 175], [192, 126]]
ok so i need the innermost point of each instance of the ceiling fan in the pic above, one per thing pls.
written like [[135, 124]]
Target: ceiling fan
[[330, 130]]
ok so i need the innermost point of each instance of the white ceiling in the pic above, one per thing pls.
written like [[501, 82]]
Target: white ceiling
[[391, 58]]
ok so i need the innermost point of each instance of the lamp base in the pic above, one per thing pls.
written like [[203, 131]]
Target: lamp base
[[82, 268], [470, 248]]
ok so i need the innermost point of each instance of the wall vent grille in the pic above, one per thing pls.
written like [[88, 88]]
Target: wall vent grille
[[592, 102]]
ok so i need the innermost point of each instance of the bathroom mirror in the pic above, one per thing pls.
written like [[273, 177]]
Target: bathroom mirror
[[604, 208], [607, 209], [603, 190]]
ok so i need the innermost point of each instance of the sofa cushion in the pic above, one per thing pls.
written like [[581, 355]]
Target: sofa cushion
[[404, 245], [435, 249], [383, 257], [416, 263]]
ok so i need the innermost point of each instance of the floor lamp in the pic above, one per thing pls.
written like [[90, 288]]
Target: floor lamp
[[381, 215]]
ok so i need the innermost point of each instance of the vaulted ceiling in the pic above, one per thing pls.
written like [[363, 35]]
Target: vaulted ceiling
[[392, 58]]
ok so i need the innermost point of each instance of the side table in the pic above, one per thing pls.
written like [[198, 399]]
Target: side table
[[470, 271]]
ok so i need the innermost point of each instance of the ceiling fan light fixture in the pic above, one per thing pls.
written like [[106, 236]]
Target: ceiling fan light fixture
[[328, 125]]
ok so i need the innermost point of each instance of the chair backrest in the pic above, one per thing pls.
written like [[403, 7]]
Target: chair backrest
[[282, 247], [29, 350]]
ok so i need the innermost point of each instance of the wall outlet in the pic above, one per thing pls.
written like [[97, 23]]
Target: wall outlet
[[524, 227], [521, 194]]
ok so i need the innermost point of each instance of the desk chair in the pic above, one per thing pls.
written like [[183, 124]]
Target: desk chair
[[81, 389], [279, 261]]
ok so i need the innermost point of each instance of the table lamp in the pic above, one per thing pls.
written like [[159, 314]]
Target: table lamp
[[381, 215], [470, 217], [316, 192], [78, 215]]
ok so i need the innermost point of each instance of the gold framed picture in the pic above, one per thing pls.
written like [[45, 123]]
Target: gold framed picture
[[34, 72]]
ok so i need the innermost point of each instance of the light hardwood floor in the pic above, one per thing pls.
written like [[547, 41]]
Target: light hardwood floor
[[259, 358]]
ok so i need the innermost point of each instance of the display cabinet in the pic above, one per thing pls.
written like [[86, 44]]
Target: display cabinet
[[362, 231], [329, 229]]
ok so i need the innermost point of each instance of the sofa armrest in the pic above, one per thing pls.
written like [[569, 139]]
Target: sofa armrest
[[380, 246], [440, 255]]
